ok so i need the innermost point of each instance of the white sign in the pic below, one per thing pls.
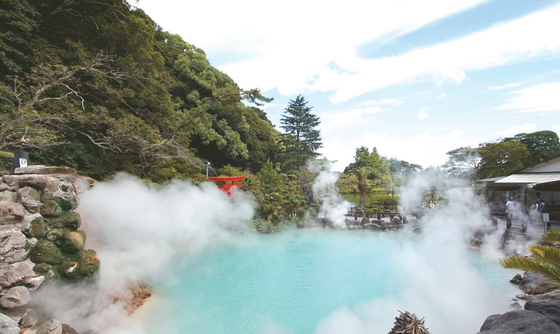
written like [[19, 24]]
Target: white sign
[[22, 162]]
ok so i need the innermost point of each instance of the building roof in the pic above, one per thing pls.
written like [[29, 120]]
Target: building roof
[[530, 178]]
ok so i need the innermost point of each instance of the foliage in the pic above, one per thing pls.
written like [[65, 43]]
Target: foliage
[[99, 86], [462, 162], [501, 158], [545, 260], [300, 139], [542, 146], [366, 166]]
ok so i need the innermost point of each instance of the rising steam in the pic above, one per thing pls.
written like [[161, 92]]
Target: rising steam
[[139, 232]]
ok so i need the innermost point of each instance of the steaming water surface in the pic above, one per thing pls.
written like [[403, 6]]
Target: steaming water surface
[[314, 281]]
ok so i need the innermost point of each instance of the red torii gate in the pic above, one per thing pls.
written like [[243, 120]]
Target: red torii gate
[[226, 187]]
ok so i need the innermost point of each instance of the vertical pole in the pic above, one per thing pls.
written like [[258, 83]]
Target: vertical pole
[[392, 190], [207, 165]]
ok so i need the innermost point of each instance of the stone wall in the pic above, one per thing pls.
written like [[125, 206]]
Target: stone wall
[[39, 240]]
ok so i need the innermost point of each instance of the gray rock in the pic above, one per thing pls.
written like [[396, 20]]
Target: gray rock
[[30, 318], [36, 181], [547, 304], [11, 213], [17, 296], [8, 325], [50, 327], [12, 244], [33, 225], [40, 169], [13, 274], [30, 198], [519, 322], [10, 180], [8, 196], [33, 283]]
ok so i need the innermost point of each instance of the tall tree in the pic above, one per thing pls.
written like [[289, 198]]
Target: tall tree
[[462, 162], [301, 138], [366, 166], [542, 145], [501, 158]]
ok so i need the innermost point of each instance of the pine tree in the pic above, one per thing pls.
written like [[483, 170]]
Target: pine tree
[[301, 139]]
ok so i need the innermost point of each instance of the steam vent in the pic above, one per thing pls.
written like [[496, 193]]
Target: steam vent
[[40, 237]]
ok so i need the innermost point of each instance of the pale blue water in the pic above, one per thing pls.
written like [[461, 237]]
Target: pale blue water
[[291, 282]]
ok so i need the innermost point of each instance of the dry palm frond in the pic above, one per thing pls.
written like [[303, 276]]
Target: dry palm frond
[[407, 323]]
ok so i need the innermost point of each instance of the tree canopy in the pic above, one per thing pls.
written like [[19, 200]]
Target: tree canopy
[[301, 138], [99, 86]]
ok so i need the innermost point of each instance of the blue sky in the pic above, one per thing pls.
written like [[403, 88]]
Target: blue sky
[[415, 79]]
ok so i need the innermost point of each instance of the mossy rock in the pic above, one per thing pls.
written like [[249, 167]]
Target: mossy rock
[[66, 203], [51, 208], [37, 228], [46, 252], [80, 266], [73, 242], [56, 235], [67, 219], [42, 268]]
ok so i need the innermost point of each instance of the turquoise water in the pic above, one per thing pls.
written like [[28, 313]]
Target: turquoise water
[[304, 281]]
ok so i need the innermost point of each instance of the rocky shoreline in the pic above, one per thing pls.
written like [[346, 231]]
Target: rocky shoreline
[[540, 315]]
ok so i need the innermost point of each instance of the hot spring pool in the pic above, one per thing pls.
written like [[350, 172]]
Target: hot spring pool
[[317, 281]]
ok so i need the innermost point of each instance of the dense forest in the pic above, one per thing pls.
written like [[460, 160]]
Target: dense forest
[[99, 86]]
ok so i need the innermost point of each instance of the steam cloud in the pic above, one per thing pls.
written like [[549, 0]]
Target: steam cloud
[[333, 206], [441, 284], [139, 231]]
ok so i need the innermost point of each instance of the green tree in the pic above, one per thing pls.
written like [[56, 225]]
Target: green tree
[[545, 260], [367, 167], [501, 158], [301, 138], [463, 162], [542, 146]]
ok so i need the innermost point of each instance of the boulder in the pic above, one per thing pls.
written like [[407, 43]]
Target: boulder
[[36, 181], [73, 241], [50, 327], [77, 267], [11, 213], [33, 225], [66, 329], [12, 244], [30, 198], [17, 296], [67, 219], [46, 252], [8, 325], [547, 304], [51, 208], [40, 169], [519, 322], [13, 274], [8, 196], [30, 318]]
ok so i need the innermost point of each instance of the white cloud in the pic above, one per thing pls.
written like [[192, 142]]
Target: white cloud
[[423, 113], [512, 131], [441, 96], [509, 85], [291, 47], [382, 102], [425, 148], [529, 37], [538, 98]]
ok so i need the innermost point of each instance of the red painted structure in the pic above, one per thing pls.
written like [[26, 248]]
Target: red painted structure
[[227, 187]]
